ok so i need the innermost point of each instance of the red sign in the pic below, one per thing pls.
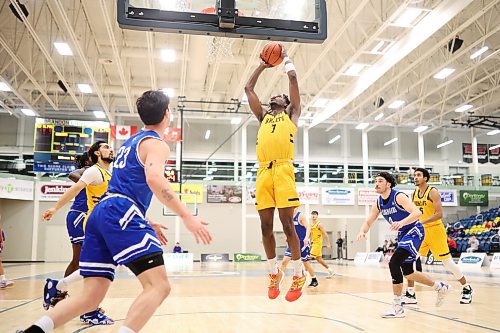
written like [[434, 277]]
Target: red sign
[[172, 134]]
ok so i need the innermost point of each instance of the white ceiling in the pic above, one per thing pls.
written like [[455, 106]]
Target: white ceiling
[[120, 64]]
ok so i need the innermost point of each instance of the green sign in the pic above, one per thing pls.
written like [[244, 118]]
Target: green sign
[[473, 198], [246, 257]]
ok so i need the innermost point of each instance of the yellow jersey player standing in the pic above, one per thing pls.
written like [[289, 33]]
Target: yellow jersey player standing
[[317, 234], [275, 186], [428, 201]]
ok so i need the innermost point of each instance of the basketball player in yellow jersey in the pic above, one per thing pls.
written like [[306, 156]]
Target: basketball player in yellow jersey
[[95, 182], [317, 234], [428, 200], [275, 186]]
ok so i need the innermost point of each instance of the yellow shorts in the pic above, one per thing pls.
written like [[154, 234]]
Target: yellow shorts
[[275, 187], [435, 240], [316, 250]]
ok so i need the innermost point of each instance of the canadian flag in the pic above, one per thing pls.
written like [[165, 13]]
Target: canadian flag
[[121, 132]]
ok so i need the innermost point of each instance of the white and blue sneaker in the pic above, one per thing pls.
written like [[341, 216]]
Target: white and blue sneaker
[[6, 283], [49, 292], [397, 311], [442, 290], [96, 317]]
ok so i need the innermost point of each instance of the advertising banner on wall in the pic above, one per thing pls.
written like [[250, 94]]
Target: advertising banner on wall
[[16, 189], [308, 195], [51, 191], [247, 257], [449, 198], [194, 189], [342, 196], [494, 154], [473, 198], [367, 196], [224, 193], [215, 257]]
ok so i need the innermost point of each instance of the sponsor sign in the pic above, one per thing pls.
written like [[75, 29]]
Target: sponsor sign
[[367, 196], [224, 194], [360, 258], [215, 257], [16, 189], [51, 191], [342, 196], [247, 257], [308, 195], [374, 258], [473, 260], [178, 262], [473, 198], [449, 198], [54, 167], [196, 189], [495, 261]]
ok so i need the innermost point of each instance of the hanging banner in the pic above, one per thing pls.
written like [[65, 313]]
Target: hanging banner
[[473, 198], [494, 154], [308, 195], [482, 153], [51, 191], [224, 193], [194, 189], [448, 198], [342, 196], [487, 180], [467, 152], [16, 189], [367, 196]]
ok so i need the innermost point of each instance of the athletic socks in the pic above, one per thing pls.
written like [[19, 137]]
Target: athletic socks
[[273, 265]]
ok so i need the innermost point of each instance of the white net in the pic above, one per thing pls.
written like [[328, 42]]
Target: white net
[[219, 48]]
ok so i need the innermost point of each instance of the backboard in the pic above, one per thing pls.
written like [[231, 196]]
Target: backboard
[[280, 20]]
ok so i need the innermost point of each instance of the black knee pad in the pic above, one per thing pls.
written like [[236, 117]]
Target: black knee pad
[[418, 264], [146, 262], [396, 264], [408, 268]]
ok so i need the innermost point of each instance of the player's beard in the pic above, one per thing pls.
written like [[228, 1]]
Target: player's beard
[[108, 159]]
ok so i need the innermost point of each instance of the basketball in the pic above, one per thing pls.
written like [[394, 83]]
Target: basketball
[[272, 54]]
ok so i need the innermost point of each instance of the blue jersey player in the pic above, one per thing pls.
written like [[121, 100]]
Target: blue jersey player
[[403, 216], [118, 232], [303, 231]]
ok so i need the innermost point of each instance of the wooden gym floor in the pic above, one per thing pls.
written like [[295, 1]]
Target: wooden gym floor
[[233, 298]]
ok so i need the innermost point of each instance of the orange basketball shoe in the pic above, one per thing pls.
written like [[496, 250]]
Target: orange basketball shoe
[[296, 289], [275, 284]]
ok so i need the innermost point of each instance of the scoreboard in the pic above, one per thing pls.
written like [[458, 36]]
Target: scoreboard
[[58, 141]]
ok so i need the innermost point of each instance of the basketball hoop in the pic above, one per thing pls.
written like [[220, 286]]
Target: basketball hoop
[[218, 47]]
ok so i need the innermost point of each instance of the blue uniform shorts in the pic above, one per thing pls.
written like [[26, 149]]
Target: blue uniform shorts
[[74, 224]]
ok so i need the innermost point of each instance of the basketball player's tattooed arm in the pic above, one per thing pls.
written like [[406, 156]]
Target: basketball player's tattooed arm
[[253, 99], [154, 153], [438, 208], [294, 109], [405, 202], [365, 227]]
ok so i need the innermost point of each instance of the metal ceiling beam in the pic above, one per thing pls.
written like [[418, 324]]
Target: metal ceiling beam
[[46, 53], [151, 59]]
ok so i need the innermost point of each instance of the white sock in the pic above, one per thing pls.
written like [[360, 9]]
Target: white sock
[[3, 278], [125, 329], [411, 290], [297, 267], [64, 283], [45, 323], [273, 265], [397, 300]]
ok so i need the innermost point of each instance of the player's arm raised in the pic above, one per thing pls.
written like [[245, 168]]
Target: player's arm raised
[[154, 153], [71, 193], [365, 227], [294, 109], [253, 99], [409, 206], [438, 208]]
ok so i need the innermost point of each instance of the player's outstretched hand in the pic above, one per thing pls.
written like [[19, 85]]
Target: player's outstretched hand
[[361, 236], [264, 64], [396, 226], [198, 229], [47, 215], [157, 227]]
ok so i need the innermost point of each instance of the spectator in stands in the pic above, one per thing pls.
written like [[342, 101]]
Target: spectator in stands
[[488, 225], [392, 246], [452, 245], [177, 248], [473, 244], [384, 248]]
